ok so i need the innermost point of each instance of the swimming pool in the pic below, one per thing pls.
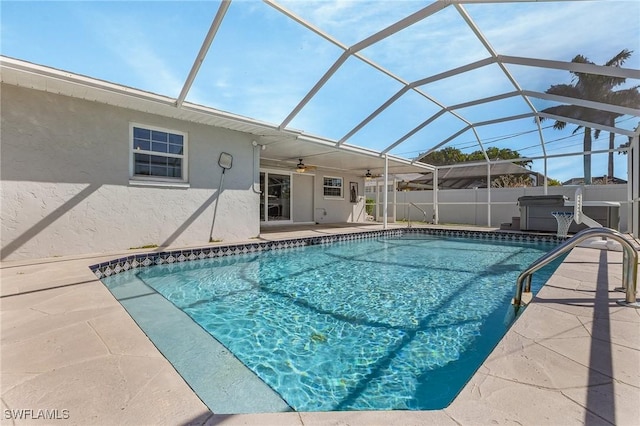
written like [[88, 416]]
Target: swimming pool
[[385, 323]]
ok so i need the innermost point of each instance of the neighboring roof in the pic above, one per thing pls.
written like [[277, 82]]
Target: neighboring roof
[[474, 175], [595, 181]]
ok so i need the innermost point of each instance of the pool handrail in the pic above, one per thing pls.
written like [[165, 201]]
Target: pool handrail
[[629, 264], [424, 213]]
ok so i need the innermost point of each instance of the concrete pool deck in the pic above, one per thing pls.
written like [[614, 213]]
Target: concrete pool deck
[[70, 351]]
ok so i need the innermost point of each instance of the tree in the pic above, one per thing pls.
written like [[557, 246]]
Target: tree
[[628, 97], [498, 154], [511, 181], [627, 144], [448, 156], [553, 182], [593, 87], [445, 157]]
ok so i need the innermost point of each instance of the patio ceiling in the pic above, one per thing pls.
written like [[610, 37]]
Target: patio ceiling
[[355, 81]]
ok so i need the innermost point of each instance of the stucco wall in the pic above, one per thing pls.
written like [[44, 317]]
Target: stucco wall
[[66, 190], [302, 194], [333, 210]]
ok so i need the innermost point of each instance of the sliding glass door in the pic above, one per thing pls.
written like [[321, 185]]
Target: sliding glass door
[[275, 205]]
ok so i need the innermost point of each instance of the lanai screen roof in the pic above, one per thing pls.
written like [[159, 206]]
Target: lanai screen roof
[[392, 77]]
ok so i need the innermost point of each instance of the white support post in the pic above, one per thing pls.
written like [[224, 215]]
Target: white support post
[[395, 200], [634, 182], [377, 207], [630, 190], [546, 180], [436, 212], [489, 195], [385, 194], [544, 153]]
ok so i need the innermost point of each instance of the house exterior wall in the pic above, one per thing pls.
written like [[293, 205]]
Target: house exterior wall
[[324, 210], [338, 210], [302, 194], [66, 187]]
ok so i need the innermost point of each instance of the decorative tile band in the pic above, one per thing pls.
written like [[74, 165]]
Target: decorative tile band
[[143, 260]]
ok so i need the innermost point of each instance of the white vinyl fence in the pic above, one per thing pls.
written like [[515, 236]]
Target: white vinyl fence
[[470, 206]]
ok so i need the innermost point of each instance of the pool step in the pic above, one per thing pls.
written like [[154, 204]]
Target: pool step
[[513, 226]]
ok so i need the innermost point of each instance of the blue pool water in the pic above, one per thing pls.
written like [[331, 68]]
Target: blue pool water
[[378, 324]]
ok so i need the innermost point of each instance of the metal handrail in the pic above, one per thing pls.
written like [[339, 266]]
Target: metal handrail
[[424, 213], [629, 264]]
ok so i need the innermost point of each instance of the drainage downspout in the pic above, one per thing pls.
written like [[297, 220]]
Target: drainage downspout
[[256, 167]]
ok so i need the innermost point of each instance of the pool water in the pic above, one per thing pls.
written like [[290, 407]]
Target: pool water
[[377, 324]]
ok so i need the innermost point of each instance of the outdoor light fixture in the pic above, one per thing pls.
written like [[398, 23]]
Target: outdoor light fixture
[[368, 176], [301, 168]]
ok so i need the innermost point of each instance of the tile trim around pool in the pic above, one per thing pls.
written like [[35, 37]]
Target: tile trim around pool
[[143, 260]]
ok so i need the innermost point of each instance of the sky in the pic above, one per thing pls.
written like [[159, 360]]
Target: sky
[[261, 63]]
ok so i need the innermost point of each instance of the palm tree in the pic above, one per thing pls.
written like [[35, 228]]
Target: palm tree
[[628, 97], [598, 88]]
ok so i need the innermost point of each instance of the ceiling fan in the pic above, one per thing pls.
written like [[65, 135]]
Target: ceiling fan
[[301, 167], [370, 175]]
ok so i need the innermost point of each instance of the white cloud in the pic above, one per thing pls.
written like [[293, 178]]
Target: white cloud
[[560, 30], [139, 57], [352, 21], [150, 68]]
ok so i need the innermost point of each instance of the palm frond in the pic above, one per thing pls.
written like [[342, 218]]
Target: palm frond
[[580, 59], [627, 97], [568, 90], [619, 59], [559, 125]]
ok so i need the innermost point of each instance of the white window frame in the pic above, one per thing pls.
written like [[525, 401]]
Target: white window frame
[[158, 180], [333, 197]]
